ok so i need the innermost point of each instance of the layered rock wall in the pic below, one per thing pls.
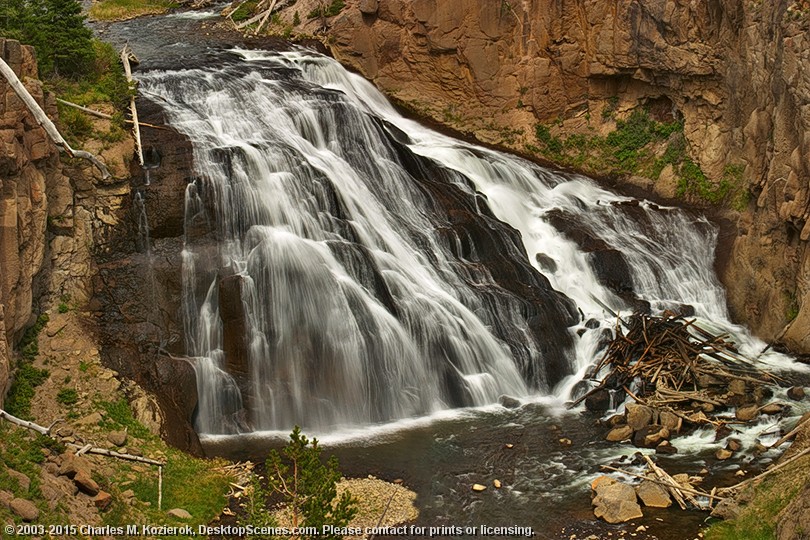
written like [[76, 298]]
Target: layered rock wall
[[28, 165], [736, 71]]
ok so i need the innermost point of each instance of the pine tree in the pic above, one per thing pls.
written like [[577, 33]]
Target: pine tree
[[308, 486]]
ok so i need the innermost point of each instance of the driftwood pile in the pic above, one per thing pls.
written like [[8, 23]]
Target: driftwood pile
[[674, 364]]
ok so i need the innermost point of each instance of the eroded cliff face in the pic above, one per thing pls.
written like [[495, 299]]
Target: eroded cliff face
[[28, 165], [737, 73]]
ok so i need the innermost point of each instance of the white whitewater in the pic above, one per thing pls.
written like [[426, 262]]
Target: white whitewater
[[303, 200]]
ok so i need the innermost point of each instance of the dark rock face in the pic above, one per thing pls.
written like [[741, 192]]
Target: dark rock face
[[137, 289]]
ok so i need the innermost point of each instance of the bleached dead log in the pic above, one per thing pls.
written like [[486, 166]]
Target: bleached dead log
[[264, 20], [100, 114], [664, 484], [25, 423], [126, 55], [790, 434], [78, 448], [253, 19], [113, 453], [46, 123]]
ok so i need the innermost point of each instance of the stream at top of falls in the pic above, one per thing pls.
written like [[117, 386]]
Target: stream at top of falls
[[370, 305]]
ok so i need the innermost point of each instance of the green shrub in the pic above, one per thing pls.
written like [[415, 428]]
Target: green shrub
[[309, 487], [329, 11], [67, 396], [26, 379]]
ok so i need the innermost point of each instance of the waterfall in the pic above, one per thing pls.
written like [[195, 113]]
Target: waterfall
[[344, 265]]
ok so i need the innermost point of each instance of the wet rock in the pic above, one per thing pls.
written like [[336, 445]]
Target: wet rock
[[671, 421], [772, 408], [565, 441], [509, 402], [747, 413], [796, 393], [723, 454], [665, 448], [478, 487], [118, 438], [638, 416], [619, 433], [726, 509], [85, 483], [102, 500], [615, 502], [598, 401], [734, 445], [546, 263], [496, 483], [25, 509], [650, 436], [179, 513], [653, 495]]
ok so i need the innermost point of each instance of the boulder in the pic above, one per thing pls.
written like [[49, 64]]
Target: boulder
[[616, 502], [735, 445], [747, 413], [650, 436], [737, 386], [102, 500], [653, 494], [665, 448], [179, 513], [598, 401], [25, 509], [722, 453], [796, 393], [118, 438], [726, 509], [772, 408], [22, 480], [369, 7], [85, 483], [638, 416], [671, 421], [619, 433], [72, 465], [478, 487], [509, 402], [5, 498]]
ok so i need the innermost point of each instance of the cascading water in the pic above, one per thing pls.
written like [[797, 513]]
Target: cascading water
[[343, 265]]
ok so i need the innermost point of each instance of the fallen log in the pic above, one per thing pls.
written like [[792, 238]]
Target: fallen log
[[126, 56], [46, 123], [106, 116]]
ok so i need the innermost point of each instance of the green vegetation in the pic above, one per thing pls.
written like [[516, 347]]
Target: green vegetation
[[244, 11], [112, 10], [195, 485], [307, 487], [72, 64], [56, 29], [757, 521], [296, 19], [327, 11], [26, 376], [67, 396], [641, 146]]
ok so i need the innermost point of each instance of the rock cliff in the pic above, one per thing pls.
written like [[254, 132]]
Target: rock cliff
[[736, 72], [29, 165], [71, 239]]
